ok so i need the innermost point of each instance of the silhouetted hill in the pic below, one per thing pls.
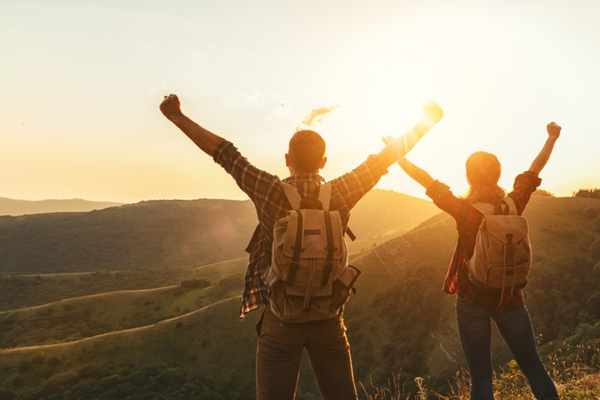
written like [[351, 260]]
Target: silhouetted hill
[[401, 324], [149, 234], [169, 233], [22, 207], [385, 213]]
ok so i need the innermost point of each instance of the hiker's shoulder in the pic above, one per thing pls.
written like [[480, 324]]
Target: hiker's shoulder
[[527, 180]]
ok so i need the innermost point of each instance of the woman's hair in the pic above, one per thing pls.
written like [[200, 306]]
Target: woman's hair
[[483, 174]]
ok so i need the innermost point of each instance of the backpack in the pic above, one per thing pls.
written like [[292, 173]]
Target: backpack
[[309, 278], [502, 254]]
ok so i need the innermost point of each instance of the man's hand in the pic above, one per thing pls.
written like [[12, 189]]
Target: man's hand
[[395, 148], [553, 130], [170, 106]]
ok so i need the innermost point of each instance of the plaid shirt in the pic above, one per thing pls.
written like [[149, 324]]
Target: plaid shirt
[[271, 204]]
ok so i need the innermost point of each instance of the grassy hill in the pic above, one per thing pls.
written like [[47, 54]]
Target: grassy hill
[[400, 322], [81, 317], [176, 356], [149, 234], [165, 234], [21, 207], [84, 316], [26, 290]]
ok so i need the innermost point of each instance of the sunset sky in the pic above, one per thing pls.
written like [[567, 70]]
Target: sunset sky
[[81, 82]]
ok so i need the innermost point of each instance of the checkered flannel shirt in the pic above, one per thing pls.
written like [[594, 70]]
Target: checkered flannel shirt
[[268, 197]]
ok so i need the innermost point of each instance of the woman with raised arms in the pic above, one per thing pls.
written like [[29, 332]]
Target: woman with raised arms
[[489, 268]]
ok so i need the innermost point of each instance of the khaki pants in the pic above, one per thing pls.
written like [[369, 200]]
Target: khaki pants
[[279, 350]]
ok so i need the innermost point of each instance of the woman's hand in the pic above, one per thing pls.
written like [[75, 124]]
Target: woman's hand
[[553, 130], [542, 159]]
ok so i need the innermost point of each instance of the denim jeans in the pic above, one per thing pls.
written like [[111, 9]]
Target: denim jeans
[[474, 324]]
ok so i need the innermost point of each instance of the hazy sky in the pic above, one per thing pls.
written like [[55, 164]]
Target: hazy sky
[[81, 82]]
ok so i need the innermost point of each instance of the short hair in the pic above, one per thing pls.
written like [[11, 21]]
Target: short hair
[[307, 149]]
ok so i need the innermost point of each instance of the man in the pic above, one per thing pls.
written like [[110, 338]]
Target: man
[[280, 344]]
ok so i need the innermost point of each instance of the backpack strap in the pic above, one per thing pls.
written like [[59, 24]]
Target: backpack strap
[[292, 195], [325, 196], [291, 277], [350, 234], [512, 206], [330, 249], [484, 208], [325, 199], [501, 208]]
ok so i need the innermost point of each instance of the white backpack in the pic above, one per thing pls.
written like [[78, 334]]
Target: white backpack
[[502, 255], [309, 278]]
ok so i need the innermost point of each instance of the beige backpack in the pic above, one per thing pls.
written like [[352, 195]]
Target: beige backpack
[[502, 255], [309, 278]]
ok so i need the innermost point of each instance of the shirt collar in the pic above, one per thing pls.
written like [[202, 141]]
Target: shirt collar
[[304, 177]]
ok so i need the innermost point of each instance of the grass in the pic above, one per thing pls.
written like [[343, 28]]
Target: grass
[[197, 342], [27, 290], [574, 365], [78, 317]]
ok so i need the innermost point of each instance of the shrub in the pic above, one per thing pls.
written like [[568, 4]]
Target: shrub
[[588, 193], [542, 192]]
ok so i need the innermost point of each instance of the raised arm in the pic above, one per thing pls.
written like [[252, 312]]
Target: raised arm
[[256, 183], [416, 173], [353, 185], [203, 138], [542, 159], [441, 194]]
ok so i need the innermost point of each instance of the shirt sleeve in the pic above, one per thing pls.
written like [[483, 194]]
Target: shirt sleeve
[[349, 188], [256, 183], [524, 186], [467, 217]]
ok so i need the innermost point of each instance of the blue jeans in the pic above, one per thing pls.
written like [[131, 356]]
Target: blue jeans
[[474, 325]]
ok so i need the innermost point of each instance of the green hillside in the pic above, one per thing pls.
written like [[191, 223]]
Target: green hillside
[[166, 234], [400, 322], [145, 235], [84, 316], [26, 290], [177, 356], [81, 317]]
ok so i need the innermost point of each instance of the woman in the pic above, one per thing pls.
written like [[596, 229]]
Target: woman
[[477, 306]]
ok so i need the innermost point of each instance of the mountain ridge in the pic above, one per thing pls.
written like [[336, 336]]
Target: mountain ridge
[[168, 233], [16, 207]]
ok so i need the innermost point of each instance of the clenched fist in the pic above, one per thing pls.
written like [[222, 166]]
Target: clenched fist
[[170, 106], [553, 130]]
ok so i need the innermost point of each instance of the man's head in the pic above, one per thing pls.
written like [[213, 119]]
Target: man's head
[[306, 153]]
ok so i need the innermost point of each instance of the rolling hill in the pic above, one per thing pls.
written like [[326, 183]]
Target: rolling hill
[[22, 207], [400, 322], [89, 315], [27, 290], [167, 234]]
